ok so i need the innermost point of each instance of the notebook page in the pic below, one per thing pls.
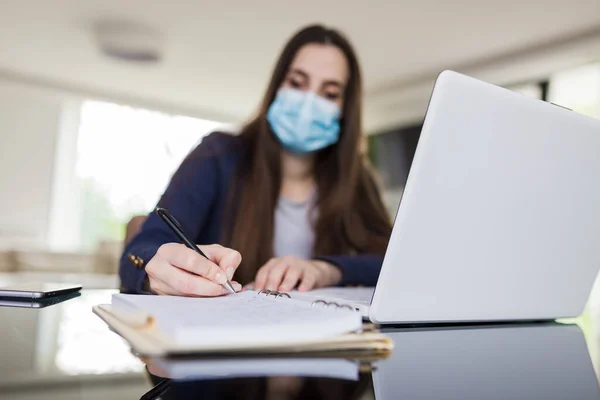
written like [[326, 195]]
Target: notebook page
[[361, 295], [243, 319]]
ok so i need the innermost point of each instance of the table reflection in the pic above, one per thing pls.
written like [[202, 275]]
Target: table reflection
[[541, 361], [274, 387], [260, 378], [62, 339], [195, 369], [510, 362]]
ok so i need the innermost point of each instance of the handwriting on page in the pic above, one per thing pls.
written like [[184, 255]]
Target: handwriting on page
[[258, 310]]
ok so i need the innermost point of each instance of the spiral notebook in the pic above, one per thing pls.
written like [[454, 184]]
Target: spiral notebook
[[249, 321]]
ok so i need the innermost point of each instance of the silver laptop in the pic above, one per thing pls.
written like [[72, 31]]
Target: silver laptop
[[500, 216]]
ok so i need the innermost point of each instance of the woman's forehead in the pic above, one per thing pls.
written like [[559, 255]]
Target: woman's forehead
[[322, 62]]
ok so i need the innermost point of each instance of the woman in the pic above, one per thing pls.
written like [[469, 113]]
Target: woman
[[291, 193]]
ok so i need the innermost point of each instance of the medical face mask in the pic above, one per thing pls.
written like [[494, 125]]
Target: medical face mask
[[304, 122]]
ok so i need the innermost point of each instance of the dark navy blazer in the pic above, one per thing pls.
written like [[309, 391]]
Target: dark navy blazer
[[197, 196]]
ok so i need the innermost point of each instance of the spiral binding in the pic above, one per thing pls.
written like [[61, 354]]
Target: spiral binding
[[274, 293], [331, 304], [316, 303]]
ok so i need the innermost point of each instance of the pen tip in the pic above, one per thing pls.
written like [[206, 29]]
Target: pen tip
[[229, 287]]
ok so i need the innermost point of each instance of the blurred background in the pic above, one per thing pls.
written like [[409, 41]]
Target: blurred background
[[101, 100]]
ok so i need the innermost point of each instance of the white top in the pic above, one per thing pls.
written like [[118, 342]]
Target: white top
[[294, 232]]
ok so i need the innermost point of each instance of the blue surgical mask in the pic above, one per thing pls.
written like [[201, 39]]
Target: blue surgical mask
[[304, 122]]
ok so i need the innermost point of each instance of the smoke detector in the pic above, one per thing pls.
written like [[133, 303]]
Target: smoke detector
[[129, 41]]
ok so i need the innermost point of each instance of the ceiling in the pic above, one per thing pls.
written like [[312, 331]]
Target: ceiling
[[218, 55]]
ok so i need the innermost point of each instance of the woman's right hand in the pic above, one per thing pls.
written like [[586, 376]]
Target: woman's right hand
[[179, 271]]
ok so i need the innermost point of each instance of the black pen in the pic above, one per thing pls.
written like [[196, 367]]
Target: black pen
[[158, 390], [172, 223]]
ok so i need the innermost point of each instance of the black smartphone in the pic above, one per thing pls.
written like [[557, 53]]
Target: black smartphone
[[39, 303], [37, 290]]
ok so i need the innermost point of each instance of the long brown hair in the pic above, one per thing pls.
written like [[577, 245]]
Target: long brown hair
[[351, 216]]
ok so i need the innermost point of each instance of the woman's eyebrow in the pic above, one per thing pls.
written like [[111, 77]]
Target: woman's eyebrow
[[334, 83], [330, 82], [299, 72]]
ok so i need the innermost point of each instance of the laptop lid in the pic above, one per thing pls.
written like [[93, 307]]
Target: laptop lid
[[500, 216]]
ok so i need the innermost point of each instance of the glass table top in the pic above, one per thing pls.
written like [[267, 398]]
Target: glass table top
[[64, 351]]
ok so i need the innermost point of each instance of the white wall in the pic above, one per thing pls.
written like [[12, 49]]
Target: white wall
[[29, 124]]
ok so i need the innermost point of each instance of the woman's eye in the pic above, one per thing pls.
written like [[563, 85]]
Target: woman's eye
[[332, 96], [295, 84]]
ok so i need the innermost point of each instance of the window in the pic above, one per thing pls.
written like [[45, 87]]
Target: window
[[577, 89], [125, 157]]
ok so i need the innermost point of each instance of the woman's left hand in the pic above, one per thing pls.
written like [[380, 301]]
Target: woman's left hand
[[284, 273]]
